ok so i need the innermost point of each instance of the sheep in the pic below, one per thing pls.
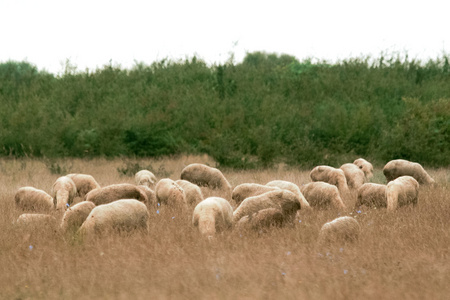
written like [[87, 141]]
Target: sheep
[[145, 177], [75, 216], [322, 195], [365, 166], [170, 193], [33, 200], [38, 224], [245, 190], [151, 195], [372, 195], [402, 191], [84, 183], [193, 192], [284, 200], [63, 192], [115, 192], [342, 229], [125, 215], [401, 167], [263, 219], [354, 175], [214, 214], [332, 176], [203, 175], [292, 187]]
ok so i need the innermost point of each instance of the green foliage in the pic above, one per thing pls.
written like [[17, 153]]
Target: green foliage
[[268, 109]]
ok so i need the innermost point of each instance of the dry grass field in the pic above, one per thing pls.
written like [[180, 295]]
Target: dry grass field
[[400, 255]]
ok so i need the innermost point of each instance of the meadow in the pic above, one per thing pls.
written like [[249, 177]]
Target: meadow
[[400, 255]]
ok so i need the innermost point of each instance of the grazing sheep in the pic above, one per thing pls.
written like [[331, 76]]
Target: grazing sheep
[[36, 222], [33, 200], [245, 190], [354, 175], [125, 215], [84, 183], [75, 216], [372, 195], [292, 187], [402, 191], [365, 166], [145, 177], [151, 195], [63, 192], [193, 192], [214, 214], [342, 229], [401, 167], [322, 195], [115, 192], [263, 219], [284, 200], [204, 175], [170, 193], [332, 176]]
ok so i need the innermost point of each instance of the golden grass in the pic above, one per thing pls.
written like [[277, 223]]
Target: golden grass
[[403, 255]]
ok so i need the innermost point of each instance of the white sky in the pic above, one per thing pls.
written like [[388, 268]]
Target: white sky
[[91, 33]]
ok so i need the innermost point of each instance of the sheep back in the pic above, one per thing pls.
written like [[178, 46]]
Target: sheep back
[[401, 167], [321, 194], [115, 192], [402, 191], [245, 190], [33, 200], [125, 215], [214, 214], [84, 183], [372, 195]]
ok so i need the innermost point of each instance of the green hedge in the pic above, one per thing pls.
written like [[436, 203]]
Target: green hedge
[[268, 109]]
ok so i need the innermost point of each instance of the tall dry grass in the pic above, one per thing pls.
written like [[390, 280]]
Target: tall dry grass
[[403, 255]]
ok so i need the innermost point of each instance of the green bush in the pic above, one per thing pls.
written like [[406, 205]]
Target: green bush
[[268, 109]]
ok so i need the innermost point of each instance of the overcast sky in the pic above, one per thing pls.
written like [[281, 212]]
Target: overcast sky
[[92, 33]]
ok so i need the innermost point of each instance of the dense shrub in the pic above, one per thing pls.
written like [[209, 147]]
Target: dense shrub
[[268, 109]]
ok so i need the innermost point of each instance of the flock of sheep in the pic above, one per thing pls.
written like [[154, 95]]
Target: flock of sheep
[[125, 207]]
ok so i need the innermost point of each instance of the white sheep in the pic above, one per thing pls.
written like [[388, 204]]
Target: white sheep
[[365, 166], [151, 195], [321, 194], [115, 192], [193, 192], [170, 193], [203, 175], [84, 183], [125, 215], [332, 176], [354, 175], [214, 214], [284, 200], [75, 216], [33, 200], [63, 192], [292, 187], [401, 167], [263, 219], [372, 195], [245, 190], [36, 222], [342, 229], [402, 191], [145, 177]]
